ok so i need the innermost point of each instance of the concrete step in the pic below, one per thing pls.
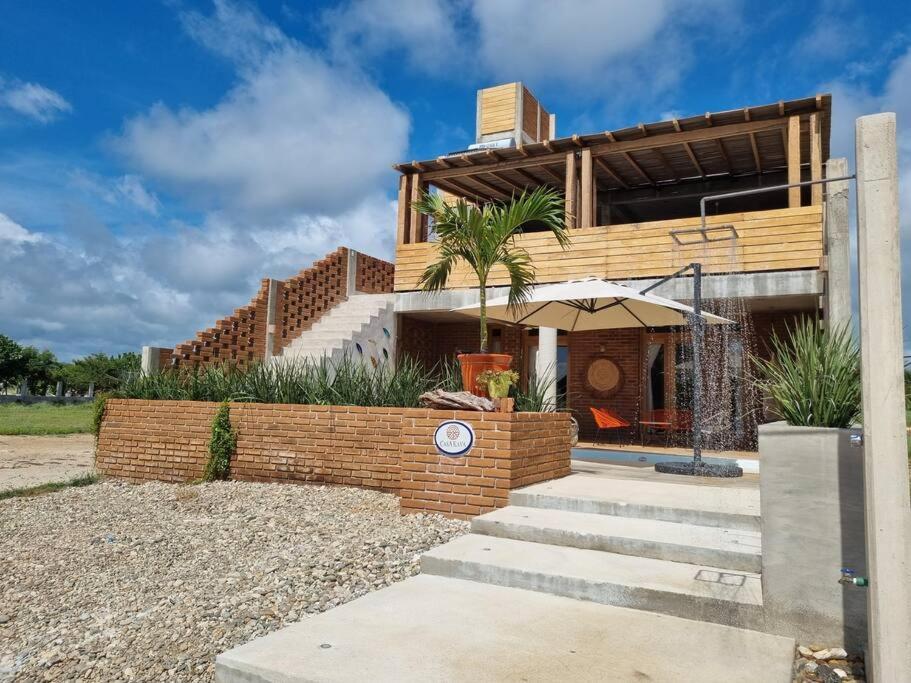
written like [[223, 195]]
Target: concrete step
[[428, 628], [703, 505], [684, 590], [717, 547]]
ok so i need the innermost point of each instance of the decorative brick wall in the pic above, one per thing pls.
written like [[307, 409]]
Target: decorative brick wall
[[388, 449], [301, 301], [374, 276], [511, 450], [622, 347], [306, 297], [431, 342], [240, 337]]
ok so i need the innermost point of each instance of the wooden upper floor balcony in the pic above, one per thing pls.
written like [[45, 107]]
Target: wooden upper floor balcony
[[633, 195]]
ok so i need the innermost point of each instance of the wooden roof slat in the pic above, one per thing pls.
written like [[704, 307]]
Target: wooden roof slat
[[503, 179], [756, 158], [602, 164], [458, 189], [490, 187], [639, 170]]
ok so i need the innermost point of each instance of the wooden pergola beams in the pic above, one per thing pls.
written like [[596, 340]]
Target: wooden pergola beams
[[646, 156]]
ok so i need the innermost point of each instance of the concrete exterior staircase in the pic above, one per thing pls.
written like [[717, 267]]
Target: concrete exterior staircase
[[608, 574], [691, 551], [365, 320]]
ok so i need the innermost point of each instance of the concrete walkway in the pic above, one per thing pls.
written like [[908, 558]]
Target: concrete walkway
[[430, 628], [33, 460]]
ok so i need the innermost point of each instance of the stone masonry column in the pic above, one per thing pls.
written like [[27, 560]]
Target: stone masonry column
[[546, 364], [888, 511], [838, 246]]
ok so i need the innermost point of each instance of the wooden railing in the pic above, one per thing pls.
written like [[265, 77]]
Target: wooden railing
[[781, 239]]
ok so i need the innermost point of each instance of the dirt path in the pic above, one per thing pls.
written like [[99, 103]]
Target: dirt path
[[33, 460]]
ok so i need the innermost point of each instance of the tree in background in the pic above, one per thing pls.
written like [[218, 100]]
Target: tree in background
[[12, 362], [41, 370], [104, 371]]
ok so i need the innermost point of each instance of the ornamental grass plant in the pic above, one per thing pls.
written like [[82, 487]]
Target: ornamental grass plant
[[324, 382], [813, 375]]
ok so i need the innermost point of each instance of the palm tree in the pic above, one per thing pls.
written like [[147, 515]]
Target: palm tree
[[484, 237]]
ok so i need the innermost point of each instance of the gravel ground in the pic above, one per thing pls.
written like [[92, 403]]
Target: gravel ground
[[121, 582]]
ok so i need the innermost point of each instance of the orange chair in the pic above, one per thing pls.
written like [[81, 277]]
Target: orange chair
[[605, 419]]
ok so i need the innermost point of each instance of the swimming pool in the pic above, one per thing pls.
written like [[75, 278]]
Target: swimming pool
[[749, 465]]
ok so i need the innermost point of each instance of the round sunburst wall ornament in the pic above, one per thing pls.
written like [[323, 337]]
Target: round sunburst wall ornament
[[604, 377]]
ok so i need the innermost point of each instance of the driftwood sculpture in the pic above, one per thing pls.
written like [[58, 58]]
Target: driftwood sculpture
[[456, 400]]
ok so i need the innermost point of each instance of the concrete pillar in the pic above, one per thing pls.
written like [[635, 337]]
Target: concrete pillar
[[888, 510], [546, 364], [352, 273], [59, 391], [271, 317], [91, 393], [23, 389], [151, 360], [838, 246]]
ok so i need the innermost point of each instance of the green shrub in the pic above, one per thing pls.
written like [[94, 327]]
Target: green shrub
[[221, 446], [813, 376], [98, 406]]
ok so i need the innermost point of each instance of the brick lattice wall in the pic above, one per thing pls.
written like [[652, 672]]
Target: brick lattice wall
[[388, 449], [304, 298], [302, 301], [374, 276], [240, 337]]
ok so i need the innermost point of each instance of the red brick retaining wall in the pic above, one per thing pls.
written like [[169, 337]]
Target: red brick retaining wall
[[388, 449]]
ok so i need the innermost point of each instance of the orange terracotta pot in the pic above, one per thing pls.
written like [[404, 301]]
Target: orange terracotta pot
[[473, 364]]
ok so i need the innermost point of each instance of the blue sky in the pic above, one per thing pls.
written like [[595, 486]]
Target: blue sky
[[158, 158]]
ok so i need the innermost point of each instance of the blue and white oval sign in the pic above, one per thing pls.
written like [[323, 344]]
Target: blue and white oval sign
[[453, 438]]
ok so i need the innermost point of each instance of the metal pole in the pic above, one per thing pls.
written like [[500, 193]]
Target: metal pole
[[697, 364], [761, 190]]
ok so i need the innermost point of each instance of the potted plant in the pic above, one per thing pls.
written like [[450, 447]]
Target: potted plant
[[811, 486], [498, 384], [484, 237]]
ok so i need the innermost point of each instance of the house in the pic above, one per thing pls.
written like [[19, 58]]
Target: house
[[633, 201]]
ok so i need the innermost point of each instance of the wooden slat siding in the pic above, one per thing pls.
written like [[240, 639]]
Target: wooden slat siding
[[416, 218], [815, 160], [794, 160], [586, 202], [570, 189], [529, 114], [782, 239], [498, 108], [404, 210]]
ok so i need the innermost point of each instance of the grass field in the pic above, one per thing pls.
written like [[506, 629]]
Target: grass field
[[45, 418]]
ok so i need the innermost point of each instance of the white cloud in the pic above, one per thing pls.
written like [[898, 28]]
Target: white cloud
[[428, 29], [126, 189], [32, 100], [851, 100], [88, 288], [294, 134], [594, 47], [11, 231], [131, 187]]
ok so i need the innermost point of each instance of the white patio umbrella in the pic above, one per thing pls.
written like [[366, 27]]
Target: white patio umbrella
[[590, 304]]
